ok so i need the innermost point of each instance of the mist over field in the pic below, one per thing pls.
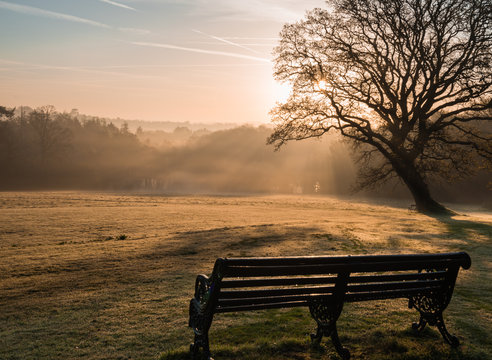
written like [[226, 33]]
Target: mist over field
[[48, 150]]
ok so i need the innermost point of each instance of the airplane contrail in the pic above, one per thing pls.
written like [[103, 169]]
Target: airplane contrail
[[226, 41], [33, 66], [118, 4], [30, 10], [202, 51]]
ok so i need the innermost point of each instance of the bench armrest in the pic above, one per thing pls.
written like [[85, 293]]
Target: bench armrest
[[202, 286], [198, 319]]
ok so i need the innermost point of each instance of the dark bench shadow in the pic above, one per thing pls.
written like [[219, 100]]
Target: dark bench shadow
[[289, 342]]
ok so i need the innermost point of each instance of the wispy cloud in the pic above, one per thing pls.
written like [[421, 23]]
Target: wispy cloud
[[23, 66], [30, 10], [254, 10], [114, 3], [202, 51], [9, 66], [245, 44], [226, 41], [135, 31], [250, 38], [198, 66]]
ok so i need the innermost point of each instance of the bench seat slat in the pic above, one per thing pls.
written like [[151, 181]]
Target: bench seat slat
[[306, 260], [266, 300], [279, 305], [382, 295], [396, 277], [255, 271], [277, 282], [275, 292], [389, 286]]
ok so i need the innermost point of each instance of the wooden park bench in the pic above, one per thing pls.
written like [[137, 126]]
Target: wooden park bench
[[324, 284]]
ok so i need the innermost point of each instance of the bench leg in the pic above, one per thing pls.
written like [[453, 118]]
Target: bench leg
[[436, 320], [450, 339], [201, 341], [331, 331], [316, 338], [206, 348], [430, 306], [420, 326], [193, 351], [343, 352], [326, 311]]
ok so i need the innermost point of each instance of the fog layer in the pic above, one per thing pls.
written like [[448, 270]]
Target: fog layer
[[49, 150]]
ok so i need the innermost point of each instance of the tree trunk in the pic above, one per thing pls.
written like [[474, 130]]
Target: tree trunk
[[419, 189]]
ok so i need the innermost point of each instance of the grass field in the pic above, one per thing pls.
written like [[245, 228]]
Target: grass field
[[109, 276]]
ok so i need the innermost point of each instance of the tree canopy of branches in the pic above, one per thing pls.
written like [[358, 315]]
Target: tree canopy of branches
[[408, 81]]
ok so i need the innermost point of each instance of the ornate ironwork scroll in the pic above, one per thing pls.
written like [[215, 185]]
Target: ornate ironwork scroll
[[202, 307], [431, 305], [326, 310]]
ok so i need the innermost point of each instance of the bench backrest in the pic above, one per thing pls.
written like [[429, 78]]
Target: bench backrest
[[240, 284]]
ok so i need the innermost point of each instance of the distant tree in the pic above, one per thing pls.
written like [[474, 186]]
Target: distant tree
[[52, 136], [182, 132], [408, 81], [6, 113], [6, 138], [124, 128]]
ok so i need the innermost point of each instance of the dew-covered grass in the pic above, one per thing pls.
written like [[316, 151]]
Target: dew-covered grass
[[109, 276]]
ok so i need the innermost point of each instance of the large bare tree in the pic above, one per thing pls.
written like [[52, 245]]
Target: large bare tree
[[408, 81]]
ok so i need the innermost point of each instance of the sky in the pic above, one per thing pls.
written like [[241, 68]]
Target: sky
[[160, 60]]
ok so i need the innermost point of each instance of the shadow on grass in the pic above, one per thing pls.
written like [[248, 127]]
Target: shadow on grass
[[475, 238], [238, 240], [389, 348], [284, 334], [288, 349], [464, 229]]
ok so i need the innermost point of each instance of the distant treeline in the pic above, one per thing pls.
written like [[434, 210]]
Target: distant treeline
[[45, 149]]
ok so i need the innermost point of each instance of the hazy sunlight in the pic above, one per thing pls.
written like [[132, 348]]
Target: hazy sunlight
[[281, 92], [321, 85]]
